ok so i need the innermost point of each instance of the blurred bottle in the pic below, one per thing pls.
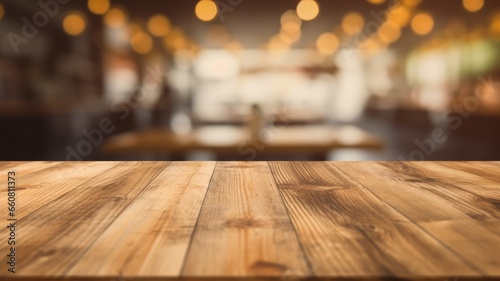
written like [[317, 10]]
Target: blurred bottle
[[256, 122]]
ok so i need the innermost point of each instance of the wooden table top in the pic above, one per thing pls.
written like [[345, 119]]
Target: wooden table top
[[234, 139], [254, 220]]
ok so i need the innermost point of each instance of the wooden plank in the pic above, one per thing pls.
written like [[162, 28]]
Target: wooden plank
[[347, 231], [55, 236], [477, 242], [24, 168], [489, 165], [471, 238], [31, 192], [244, 229], [467, 181], [409, 189], [454, 216], [5, 164], [34, 170], [483, 169], [151, 237]]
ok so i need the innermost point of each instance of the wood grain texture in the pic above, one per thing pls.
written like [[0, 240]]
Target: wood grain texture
[[244, 229], [58, 232], [445, 208], [467, 181], [279, 221], [482, 169], [348, 231], [155, 229], [25, 167], [32, 187], [409, 189]]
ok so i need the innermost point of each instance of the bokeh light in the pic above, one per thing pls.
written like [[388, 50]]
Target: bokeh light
[[307, 9], [115, 17], [327, 43], [389, 33], [400, 15], [290, 16], [98, 7], [74, 23], [473, 5], [206, 10], [495, 24], [352, 23], [159, 25], [141, 43], [291, 27], [422, 23], [290, 37], [290, 21]]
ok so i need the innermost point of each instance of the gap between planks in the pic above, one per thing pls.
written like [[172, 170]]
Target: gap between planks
[[305, 183], [446, 218], [66, 227], [154, 244], [243, 228]]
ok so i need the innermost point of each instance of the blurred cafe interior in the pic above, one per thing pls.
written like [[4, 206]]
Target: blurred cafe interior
[[250, 80]]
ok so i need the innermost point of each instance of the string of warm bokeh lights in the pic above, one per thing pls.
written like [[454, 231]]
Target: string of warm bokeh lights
[[353, 27]]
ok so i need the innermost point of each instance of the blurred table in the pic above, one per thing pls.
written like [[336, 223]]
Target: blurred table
[[22, 108], [310, 139]]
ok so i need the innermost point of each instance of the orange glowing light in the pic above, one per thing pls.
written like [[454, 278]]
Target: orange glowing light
[[206, 10], [307, 9], [422, 23], [74, 23], [159, 25], [327, 43], [353, 23], [98, 7], [115, 17]]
